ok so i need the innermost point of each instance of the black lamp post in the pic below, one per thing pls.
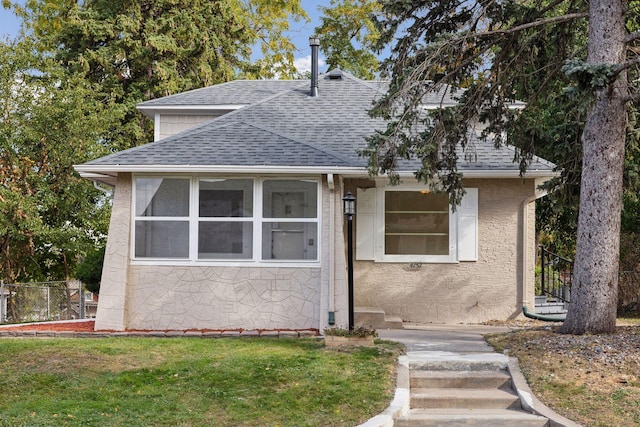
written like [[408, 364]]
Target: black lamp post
[[350, 210]]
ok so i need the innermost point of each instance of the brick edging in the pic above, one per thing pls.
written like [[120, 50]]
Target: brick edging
[[160, 334]]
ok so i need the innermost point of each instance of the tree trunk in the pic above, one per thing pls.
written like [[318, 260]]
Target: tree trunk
[[594, 290]]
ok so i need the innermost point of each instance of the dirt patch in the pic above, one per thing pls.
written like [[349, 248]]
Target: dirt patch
[[591, 379], [86, 326]]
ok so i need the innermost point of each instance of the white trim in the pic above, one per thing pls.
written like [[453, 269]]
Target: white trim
[[380, 255], [229, 263], [156, 127], [88, 170], [151, 111], [93, 171]]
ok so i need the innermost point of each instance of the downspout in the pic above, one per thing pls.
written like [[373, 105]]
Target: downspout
[[525, 233], [332, 251], [525, 249], [108, 192]]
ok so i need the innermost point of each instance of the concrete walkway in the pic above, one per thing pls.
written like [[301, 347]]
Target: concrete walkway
[[457, 346]]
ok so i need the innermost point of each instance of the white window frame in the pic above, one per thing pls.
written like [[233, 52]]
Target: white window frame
[[380, 254], [257, 219], [182, 219]]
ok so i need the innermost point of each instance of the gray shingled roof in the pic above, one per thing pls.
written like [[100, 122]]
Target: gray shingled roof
[[288, 129], [235, 92]]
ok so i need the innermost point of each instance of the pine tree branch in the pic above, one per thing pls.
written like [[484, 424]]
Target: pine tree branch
[[626, 65], [632, 97], [633, 36], [536, 23]]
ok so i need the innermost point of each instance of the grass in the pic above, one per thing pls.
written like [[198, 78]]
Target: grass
[[578, 385], [191, 382]]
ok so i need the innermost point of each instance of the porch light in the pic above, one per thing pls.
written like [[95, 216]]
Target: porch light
[[349, 204], [350, 210]]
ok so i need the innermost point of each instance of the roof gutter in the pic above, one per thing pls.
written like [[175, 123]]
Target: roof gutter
[[91, 171]]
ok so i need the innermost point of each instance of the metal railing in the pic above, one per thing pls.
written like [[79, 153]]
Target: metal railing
[[41, 301], [555, 276]]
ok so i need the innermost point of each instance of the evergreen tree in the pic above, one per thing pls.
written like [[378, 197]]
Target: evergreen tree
[[500, 51], [143, 49]]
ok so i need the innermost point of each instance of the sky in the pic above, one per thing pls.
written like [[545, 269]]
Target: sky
[[299, 31]]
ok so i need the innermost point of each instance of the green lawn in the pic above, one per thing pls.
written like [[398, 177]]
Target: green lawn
[[191, 382]]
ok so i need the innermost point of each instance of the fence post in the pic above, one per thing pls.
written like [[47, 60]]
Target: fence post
[[542, 272], [81, 296], [3, 315]]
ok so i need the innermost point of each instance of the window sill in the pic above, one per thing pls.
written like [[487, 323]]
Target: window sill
[[226, 263]]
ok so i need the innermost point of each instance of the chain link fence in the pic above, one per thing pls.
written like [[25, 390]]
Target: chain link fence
[[43, 301], [629, 292]]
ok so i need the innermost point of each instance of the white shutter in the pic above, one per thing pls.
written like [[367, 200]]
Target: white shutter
[[365, 225], [468, 226]]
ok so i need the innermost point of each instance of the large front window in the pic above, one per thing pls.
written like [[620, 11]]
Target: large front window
[[416, 223], [239, 219]]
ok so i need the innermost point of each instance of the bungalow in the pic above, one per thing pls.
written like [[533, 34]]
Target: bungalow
[[232, 218]]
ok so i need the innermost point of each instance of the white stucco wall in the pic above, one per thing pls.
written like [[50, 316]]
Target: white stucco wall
[[465, 292], [111, 313]]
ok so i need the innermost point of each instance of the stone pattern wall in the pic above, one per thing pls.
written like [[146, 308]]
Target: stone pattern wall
[[465, 292], [193, 297], [111, 312]]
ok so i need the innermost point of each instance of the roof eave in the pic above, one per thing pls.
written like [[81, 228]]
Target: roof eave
[[151, 110], [88, 170], [104, 173]]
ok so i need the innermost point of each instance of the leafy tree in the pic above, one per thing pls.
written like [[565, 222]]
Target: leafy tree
[[349, 36], [89, 271], [49, 121], [500, 51], [143, 49]]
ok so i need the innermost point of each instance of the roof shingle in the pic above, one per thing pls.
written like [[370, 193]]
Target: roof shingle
[[285, 127]]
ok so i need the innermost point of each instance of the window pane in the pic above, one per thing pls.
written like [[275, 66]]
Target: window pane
[[416, 201], [290, 240], [162, 197], [162, 239], [225, 240], [290, 199], [416, 245], [226, 198], [416, 223]]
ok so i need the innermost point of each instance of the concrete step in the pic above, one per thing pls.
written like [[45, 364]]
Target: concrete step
[[467, 398], [551, 308], [460, 379], [447, 361], [373, 317], [470, 417]]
